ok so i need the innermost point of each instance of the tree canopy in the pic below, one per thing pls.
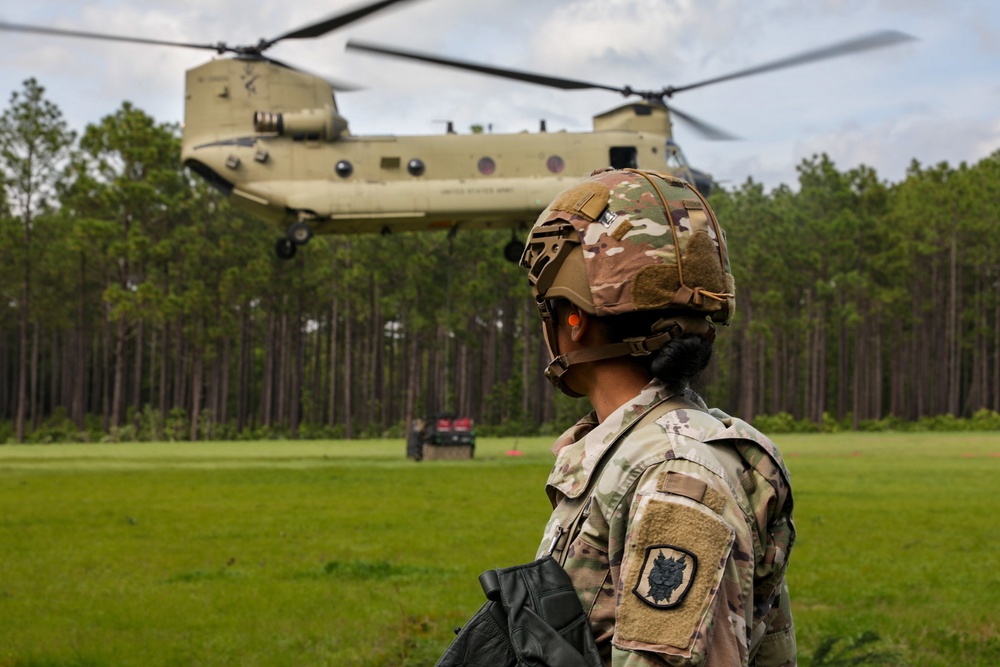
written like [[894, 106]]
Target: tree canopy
[[137, 304]]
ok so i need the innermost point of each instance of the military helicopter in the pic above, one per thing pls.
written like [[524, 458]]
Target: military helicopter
[[270, 137]]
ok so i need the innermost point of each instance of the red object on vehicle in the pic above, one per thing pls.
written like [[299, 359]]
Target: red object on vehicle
[[443, 425]]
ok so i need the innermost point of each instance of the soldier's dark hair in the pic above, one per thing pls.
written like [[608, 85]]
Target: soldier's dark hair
[[681, 360]]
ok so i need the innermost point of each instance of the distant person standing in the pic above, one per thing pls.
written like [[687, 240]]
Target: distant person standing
[[673, 521]]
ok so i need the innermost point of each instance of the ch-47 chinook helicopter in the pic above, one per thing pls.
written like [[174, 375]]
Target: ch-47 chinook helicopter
[[270, 137]]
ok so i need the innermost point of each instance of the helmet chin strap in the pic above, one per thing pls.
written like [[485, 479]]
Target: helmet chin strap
[[664, 330]]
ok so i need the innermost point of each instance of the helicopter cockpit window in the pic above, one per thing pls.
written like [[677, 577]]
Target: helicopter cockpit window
[[487, 166], [674, 157], [416, 167], [624, 157], [344, 169], [555, 164]]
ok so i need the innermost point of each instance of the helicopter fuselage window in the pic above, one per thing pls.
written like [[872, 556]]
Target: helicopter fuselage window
[[344, 169], [487, 166], [416, 167], [624, 157]]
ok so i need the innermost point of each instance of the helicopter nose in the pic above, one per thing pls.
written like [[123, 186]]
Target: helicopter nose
[[704, 182], [211, 176]]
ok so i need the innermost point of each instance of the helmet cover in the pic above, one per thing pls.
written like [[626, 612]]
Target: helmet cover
[[628, 240]]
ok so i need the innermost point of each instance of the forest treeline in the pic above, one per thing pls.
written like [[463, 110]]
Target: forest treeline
[[134, 304]]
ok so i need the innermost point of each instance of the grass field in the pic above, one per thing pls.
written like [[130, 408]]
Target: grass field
[[345, 553]]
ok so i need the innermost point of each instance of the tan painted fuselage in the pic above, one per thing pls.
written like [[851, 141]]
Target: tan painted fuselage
[[271, 138]]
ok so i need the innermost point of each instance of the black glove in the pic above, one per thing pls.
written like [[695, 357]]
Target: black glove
[[533, 619]]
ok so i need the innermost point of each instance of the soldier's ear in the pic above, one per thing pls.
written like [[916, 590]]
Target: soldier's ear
[[578, 322]]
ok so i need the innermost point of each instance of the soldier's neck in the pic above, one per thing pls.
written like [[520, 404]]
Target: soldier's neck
[[613, 383]]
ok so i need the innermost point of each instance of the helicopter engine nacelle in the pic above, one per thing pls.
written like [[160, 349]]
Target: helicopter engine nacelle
[[306, 124]]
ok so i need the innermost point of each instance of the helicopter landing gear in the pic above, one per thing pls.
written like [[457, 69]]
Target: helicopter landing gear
[[299, 233], [512, 251], [285, 248]]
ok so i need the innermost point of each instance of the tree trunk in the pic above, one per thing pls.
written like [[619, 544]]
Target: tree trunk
[[412, 359], [164, 365], [180, 367], [243, 371], [222, 416], [282, 372], [118, 394], [746, 402], [33, 400], [996, 351], [332, 361], [140, 342], [22, 354], [197, 364], [106, 382], [267, 392], [348, 369], [298, 376], [954, 347], [153, 342]]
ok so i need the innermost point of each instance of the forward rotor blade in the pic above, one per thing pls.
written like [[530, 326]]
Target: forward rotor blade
[[340, 86], [872, 41], [703, 128], [517, 75], [332, 23], [14, 27]]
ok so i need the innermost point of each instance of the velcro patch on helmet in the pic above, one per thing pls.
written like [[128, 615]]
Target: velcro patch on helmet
[[588, 200], [621, 230], [702, 266], [659, 285], [654, 286]]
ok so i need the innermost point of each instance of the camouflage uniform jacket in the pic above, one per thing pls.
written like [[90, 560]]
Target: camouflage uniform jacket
[[677, 540]]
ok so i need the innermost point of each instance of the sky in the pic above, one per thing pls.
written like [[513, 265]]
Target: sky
[[934, 99]]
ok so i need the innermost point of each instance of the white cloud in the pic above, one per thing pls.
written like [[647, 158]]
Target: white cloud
[[936, 99]]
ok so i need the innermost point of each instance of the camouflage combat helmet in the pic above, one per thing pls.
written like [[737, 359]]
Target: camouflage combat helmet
[[626, 241]]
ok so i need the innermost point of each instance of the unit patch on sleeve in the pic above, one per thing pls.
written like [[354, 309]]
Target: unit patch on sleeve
[[671, 573], [666, 576]]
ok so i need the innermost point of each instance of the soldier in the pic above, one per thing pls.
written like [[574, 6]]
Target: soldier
[[673, 521]]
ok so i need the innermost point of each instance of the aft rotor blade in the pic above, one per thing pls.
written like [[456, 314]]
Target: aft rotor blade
[[332, 23], [517, 75], [703, 128], [865, 43], [15, 27]]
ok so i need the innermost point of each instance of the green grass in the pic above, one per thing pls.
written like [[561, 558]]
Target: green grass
[[345, 553]]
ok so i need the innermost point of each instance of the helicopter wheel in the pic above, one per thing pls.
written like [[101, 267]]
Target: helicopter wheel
[[512, 251], [285, 248], [299, 233]]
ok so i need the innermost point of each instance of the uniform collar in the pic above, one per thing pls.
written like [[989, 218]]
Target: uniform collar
[[580, 449]]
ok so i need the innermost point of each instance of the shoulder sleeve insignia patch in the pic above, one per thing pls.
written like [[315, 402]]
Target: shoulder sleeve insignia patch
[[666, 576], [671, 574]]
